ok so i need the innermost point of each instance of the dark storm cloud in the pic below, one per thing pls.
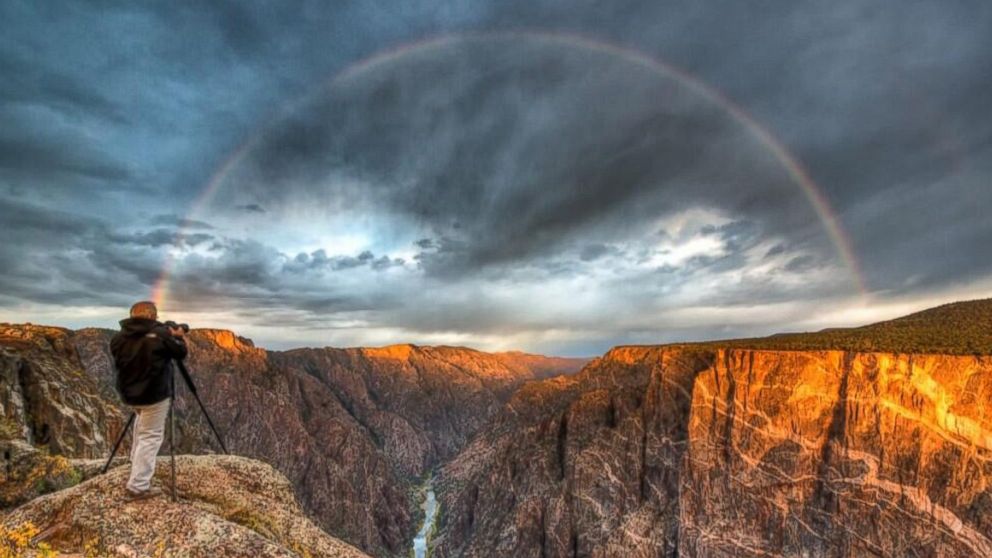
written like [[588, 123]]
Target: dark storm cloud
[[160, 237], [88, 86], [154, 238], [240, 25], [195, 239], [526, 142], [318, 260], [173, 220], [52, 256], [48, 157], [775, 250], [30, 81], [257, 279], [873, 100], [517, 165], [595, 251], [57, 257]]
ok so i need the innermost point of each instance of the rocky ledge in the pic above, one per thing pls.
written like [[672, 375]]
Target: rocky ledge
[[228, 506]]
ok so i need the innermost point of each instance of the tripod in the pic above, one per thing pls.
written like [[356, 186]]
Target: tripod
[[172, 425]]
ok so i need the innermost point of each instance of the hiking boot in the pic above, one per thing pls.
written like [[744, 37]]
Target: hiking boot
[[134, 495]]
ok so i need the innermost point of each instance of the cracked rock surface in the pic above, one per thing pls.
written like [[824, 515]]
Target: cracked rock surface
[[228, 506]]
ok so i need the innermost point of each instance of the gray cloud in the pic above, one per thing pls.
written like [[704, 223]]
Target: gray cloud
[[501, 174], [40, 158], [173, 220], [320, 261], [154, 238], [31, 81], [591, 252], [526, 144], [50, 256]]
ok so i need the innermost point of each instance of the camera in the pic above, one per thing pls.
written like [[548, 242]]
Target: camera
[[174, 325]]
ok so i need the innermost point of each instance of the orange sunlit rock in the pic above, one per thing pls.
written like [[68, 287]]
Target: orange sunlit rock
[[398, 352], [226, 340], [703, 450]]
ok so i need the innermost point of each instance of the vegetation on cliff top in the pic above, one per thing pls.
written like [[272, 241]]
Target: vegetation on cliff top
[[959, 328]]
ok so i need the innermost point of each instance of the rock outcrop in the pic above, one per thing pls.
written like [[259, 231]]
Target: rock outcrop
[[228, 506], [841, 454], [46, 396]]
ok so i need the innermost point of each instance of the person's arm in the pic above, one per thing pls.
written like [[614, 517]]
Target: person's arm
[[174, 341]]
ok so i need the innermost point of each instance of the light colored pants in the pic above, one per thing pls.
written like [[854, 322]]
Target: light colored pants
[[149, 429]]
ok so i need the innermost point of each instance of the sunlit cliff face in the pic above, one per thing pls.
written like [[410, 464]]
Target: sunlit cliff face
[[505, 192]]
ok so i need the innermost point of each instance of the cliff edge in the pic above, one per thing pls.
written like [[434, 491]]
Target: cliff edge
[[228, 506]]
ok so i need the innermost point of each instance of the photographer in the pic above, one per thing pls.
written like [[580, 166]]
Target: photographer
[[143, 353]]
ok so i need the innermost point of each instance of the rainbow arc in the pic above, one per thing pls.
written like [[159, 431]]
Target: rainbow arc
[[799, 175]]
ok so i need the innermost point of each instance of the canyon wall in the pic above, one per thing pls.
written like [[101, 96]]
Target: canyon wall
[[844, 443], [707, 451]]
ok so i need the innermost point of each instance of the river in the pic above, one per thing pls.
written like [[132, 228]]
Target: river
[[430, 510]]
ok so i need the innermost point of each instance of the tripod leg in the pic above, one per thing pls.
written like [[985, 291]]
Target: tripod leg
[[192, 389], [117, 444], [211, 423], [172, 445]]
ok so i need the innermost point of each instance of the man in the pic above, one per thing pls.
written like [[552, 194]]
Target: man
[[143, 352]]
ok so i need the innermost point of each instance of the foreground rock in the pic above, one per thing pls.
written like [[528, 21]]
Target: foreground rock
[[229, 506]]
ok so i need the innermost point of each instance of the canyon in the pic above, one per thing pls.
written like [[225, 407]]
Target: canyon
[[692, 451], [354, 430], [873, 441]]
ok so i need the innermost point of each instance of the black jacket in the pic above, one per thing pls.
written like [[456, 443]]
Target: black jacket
[[143, 351]]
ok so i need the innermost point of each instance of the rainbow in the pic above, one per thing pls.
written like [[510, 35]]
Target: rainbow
[[812, 192]]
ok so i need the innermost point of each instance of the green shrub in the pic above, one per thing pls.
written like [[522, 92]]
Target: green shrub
[[961, 328]]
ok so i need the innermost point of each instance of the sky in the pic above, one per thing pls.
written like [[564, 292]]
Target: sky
[[555, 177]]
